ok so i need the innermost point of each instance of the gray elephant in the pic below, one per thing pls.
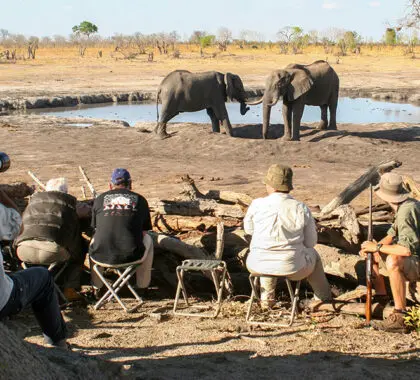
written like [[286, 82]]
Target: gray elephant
[[183, 91], [316, 84]]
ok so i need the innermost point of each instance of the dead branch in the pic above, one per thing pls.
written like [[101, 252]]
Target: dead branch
[[37, 181], [371, 176], [86, 178]]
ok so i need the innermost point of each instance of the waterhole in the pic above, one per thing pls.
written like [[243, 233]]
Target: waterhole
[[355, 111]]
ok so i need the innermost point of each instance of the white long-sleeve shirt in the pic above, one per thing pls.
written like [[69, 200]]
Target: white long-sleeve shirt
[[281, 228], [10, 222]]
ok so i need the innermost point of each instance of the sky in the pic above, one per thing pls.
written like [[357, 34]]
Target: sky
[[40, 18]]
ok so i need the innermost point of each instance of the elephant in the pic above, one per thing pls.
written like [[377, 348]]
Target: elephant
[[183, 91], [316, 84]]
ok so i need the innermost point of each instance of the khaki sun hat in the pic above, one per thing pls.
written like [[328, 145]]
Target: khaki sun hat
[[279, 177], [391, 189]]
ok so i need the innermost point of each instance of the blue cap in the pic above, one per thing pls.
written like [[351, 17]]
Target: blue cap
[[120, 176]]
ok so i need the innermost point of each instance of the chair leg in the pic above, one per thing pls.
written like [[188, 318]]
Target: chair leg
[[180, 288], [110, 289], [219, 288], [253, 282]]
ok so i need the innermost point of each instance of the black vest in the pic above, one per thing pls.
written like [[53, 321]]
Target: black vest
[[52, 216]]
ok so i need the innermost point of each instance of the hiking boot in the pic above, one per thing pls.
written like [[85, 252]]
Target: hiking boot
[[394, 323], [72, 295]]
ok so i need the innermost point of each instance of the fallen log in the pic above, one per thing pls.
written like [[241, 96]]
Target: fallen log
[[176, 223], [352, 308], [17, 190], [199, 207], [412, 186], [371, 176]]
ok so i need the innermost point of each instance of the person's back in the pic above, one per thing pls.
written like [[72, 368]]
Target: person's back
[[119, 217]]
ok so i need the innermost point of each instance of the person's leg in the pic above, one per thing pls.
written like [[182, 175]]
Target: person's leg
[[94, 278], [268, 291], [144, 271], [35, 287], [314, 273], [395, 267]]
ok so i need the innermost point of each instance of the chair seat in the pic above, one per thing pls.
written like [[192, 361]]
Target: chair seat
[[124, 265]]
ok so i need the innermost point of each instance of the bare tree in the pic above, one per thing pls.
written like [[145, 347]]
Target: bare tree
[[412, 15], [224, 38], [33, 44]]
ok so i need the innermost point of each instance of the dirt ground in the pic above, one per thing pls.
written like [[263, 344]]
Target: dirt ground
[[324, 163]]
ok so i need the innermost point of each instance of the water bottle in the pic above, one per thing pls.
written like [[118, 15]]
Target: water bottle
[[4, 162]]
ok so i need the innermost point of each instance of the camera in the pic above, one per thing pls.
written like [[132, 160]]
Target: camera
[[4, 162]]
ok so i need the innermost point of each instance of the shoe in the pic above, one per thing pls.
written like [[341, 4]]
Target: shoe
[[72, 295], [394, 323]]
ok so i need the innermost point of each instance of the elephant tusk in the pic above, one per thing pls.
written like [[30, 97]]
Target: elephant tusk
[[259, 101]]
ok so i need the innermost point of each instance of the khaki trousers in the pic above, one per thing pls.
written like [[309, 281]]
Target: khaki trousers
[[312, 271], [143, 272]]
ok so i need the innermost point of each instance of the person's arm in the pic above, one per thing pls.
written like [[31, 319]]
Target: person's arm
[[7, 201], [310, 234], [147, 221], [10, 223], [248, 220]]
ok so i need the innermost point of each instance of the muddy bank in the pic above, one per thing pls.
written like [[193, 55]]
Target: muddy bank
[[409, 95]]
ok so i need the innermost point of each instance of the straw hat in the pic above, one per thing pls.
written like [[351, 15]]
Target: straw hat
[[391, 189]]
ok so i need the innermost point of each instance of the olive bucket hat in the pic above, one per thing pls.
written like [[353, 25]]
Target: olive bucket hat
[[279, 177], [391, 188]]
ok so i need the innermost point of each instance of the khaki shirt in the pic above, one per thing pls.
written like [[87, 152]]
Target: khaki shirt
[[406, 227]]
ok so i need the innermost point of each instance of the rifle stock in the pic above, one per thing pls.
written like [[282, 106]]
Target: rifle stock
[[369, 263]]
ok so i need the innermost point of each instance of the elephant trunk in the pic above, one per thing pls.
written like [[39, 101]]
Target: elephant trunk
[[244, 108], [266, 120]]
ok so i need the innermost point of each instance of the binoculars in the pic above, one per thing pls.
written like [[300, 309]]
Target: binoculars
[[4, 162]]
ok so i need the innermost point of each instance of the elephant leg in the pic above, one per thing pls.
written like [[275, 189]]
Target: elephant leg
[[287, 120], [266, 120], [323, 124], [215, 124], [333, 113], [298, 108], [165, 116], [223, 116]]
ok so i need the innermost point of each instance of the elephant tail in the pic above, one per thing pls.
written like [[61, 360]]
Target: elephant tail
[[157, 105]]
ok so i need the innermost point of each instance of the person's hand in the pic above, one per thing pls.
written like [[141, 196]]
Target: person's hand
[[369, 246]]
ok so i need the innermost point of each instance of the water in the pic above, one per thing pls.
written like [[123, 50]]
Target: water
[[356, 111]]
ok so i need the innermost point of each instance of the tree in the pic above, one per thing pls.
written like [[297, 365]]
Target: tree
[[33, 43], [224, 38], [390, 37], [291, 36], [412, 15], [83, 31], [206, 41], [350, 40]]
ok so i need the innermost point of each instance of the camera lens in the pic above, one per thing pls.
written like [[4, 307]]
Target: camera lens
[[4, 162]]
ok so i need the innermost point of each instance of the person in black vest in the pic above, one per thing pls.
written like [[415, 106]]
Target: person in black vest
[[121, 219], [51, 234]]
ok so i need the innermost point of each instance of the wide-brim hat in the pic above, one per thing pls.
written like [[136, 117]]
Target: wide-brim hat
[[391, 188], [279, 177]]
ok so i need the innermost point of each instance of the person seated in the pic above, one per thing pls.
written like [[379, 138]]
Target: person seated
[[121, 219], [400, 249], [283, 238], [51, 234], [30, 287]]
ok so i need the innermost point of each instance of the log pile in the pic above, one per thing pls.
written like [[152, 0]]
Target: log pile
[[190, 227]]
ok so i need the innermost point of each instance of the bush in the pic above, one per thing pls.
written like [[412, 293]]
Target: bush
[[412, 319]]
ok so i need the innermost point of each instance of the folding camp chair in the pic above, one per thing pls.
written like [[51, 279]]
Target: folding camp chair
[[56, 269], [125, 272], [254, 279], [217, 269]]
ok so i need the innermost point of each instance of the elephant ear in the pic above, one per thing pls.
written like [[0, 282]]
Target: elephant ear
[[300, 83], [229, 79]]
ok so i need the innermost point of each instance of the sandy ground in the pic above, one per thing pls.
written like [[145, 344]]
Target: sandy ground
[[323, 163]]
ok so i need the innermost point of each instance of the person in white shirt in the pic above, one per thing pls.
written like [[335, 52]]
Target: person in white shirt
[[283, 238], [33, 286]]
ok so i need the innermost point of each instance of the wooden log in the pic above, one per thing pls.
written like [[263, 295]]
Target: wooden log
[[37, 181], [177, 223], [199, 207], [220, 240], [351, 308], [183, 250], [412, 186], [87, 180], [230, 196], [338, 263], [371, 176], [17, 190]]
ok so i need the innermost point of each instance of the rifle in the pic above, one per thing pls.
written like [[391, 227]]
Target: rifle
[[369, 263]]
